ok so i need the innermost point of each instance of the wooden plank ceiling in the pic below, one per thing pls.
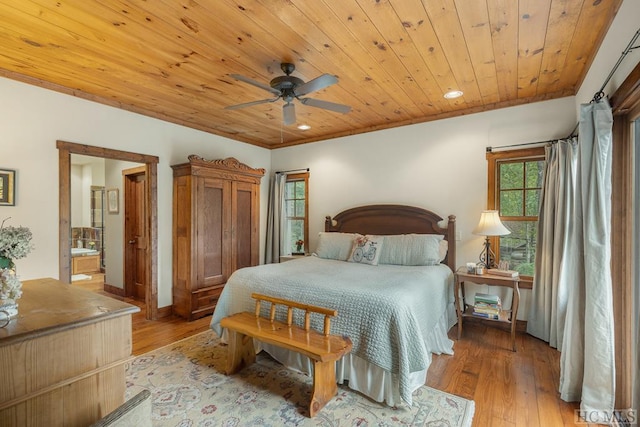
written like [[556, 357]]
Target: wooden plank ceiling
[[394, 59]]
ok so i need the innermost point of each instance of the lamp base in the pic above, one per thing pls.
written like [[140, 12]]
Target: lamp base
[[487, 257]]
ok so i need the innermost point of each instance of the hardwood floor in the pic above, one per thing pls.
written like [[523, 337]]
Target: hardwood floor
[[509, 389], [152, 334]]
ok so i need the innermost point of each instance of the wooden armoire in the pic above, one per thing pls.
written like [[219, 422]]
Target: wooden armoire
[[216, 220]]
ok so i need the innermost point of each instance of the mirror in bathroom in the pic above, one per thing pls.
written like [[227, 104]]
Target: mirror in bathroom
[[88, 251]]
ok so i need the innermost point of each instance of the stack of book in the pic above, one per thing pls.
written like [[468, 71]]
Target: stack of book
[[487, 306]]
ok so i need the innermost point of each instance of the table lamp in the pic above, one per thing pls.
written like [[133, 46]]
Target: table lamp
[[489, 225]]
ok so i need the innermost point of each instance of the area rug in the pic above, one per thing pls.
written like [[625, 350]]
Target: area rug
[[189, 389]]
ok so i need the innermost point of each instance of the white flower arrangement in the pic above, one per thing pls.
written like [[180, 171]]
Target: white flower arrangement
[[15, 243]]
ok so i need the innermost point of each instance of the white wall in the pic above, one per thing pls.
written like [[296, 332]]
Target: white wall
[[77, 199], [87, 180], [86, 172], [32, 119]]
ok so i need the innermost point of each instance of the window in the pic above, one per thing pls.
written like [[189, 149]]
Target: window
[[296, 199], [515, 182]]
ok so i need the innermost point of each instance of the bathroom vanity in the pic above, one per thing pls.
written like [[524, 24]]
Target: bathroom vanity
[[85, 267]]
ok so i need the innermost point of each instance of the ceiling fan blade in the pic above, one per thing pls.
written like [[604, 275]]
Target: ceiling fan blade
[[316, 84], [289, 114], [332, 106], [255, 83], [249, 104]]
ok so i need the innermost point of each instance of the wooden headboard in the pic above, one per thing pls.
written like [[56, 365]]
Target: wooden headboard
[[395, 219]]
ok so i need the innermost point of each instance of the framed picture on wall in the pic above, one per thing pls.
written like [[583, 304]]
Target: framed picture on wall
[[113, 201], [7, 187]]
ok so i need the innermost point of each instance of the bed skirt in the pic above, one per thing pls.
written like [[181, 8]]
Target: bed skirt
[[367, 378]]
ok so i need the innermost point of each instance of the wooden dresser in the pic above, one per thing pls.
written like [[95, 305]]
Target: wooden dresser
[[216, 220], [62, 360]]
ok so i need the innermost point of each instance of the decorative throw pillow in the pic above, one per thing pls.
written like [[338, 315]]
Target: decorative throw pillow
[[367, 249], [335, 245], [414, 249]]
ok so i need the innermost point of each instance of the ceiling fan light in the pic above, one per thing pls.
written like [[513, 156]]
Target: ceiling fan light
[[289, 113], [304, 127], [453, 94]]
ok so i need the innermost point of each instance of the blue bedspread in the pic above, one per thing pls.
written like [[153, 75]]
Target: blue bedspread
[[388, 311]]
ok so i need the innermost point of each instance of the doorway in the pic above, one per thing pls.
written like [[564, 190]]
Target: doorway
[[150, 217]]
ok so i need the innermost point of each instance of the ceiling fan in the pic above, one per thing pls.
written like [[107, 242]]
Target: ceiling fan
[[289, 88]]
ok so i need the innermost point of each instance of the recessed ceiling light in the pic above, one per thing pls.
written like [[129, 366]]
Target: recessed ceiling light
[[304, 127], [453, 94]]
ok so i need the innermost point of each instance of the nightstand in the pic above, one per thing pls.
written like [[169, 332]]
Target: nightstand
[[466, 310]]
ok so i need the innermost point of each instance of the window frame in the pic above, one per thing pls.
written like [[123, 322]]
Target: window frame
[[296, 177], [493, 180], [625, 103]]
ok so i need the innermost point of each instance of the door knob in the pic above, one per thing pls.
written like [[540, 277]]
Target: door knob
[[131, 242]]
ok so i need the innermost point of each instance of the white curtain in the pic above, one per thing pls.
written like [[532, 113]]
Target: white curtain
[[557, 209], [572, 300], [275, 219]]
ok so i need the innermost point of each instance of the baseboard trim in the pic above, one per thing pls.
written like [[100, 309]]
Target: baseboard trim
[[164, 312], [114, 290]]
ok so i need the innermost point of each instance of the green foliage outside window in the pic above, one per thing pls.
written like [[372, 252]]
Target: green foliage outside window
[[295, 192], [518, 202]]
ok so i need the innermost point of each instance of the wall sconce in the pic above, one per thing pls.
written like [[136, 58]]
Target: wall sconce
[[489, 225]]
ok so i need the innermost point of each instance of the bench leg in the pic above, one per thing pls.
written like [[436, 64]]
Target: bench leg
[[240, 352], [324, 385]]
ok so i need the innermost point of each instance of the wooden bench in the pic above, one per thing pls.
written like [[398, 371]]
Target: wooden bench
[[322, 348]]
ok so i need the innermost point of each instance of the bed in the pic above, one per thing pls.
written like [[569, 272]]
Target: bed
[[395, 306]]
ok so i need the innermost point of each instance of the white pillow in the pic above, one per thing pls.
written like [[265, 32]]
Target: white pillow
[[414, 249], [367, 249], [335, 245], [443, 247]]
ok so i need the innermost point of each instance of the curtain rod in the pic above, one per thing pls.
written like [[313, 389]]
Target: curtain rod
[[294, 170], [600, 94], [524, 144], [596, 98]]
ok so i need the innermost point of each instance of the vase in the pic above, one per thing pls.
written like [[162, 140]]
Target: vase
[[10, 291], [8, 310]]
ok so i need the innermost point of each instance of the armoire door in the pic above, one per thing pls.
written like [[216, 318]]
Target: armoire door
[[213, 231], [244, 211]]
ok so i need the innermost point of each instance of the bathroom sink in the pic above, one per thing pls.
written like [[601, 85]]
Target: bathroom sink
[[83, 251]]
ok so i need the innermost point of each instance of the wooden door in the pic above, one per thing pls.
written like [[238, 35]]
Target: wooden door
[[213, 239], [244, 213], [135, 234]]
